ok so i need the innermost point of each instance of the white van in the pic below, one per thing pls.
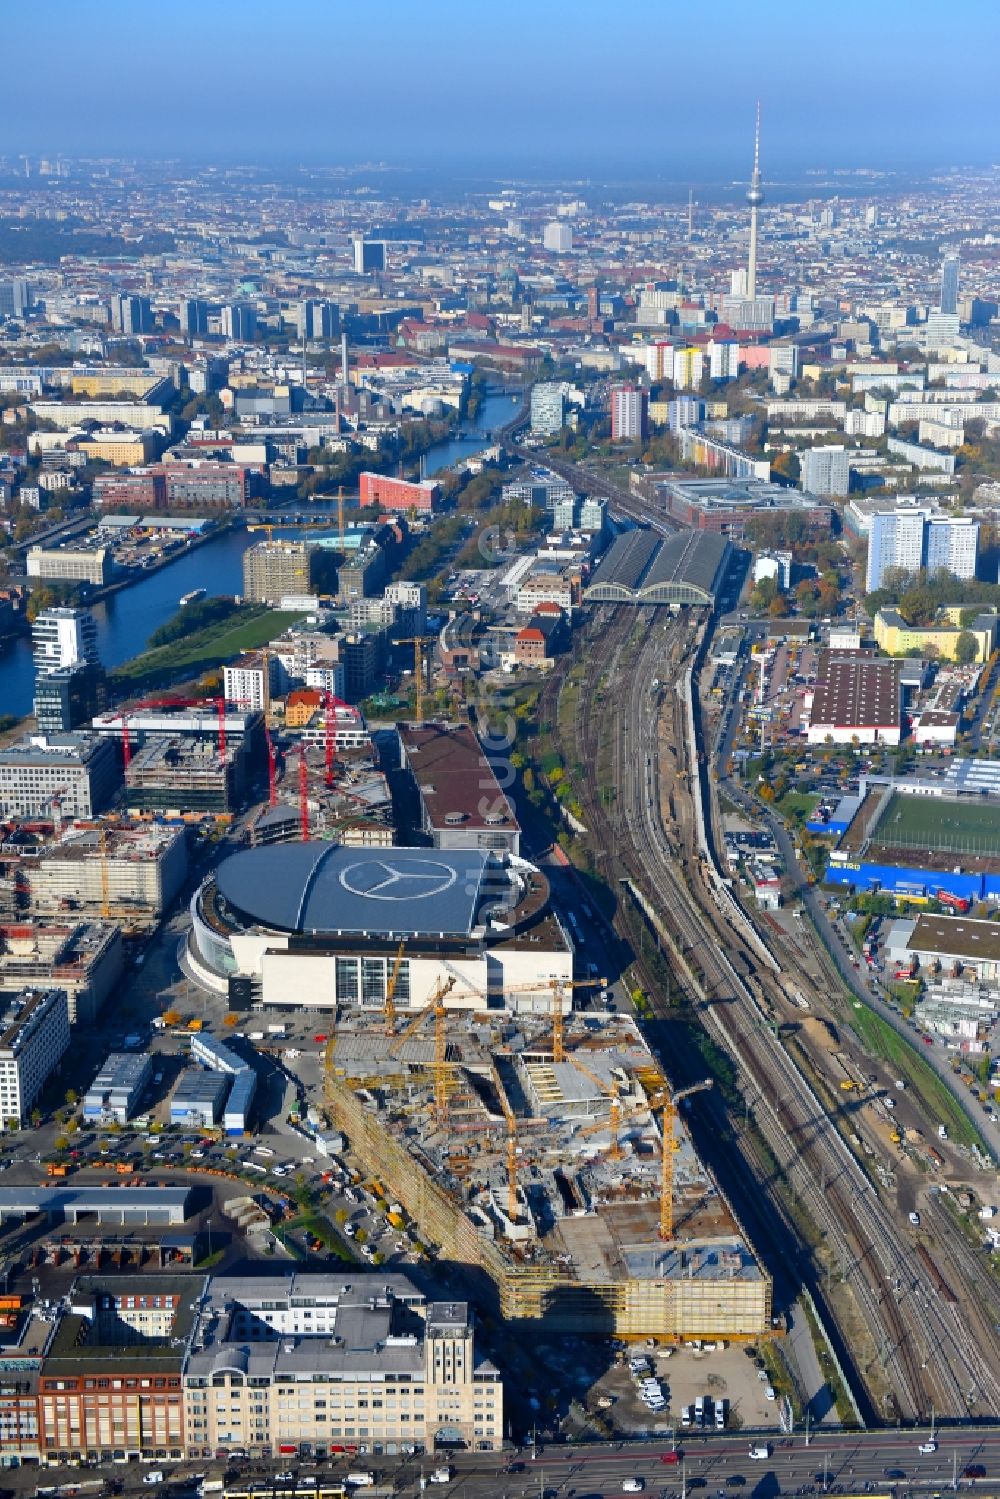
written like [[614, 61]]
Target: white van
[[441, 1475], [360, 1480], [760, 1452], [633, 1485]]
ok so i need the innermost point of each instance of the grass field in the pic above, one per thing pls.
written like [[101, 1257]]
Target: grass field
[[203, 649], [926, 822], [942, 1107]]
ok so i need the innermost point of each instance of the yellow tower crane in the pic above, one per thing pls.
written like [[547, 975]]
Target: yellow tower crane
[[435, 1007], [668, 1102], [511, 1121], [558, 1019], [105, 876], [610, 1090], [418, 642], [390, 992]]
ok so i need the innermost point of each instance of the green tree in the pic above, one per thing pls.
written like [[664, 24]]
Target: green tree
[[966, 648]]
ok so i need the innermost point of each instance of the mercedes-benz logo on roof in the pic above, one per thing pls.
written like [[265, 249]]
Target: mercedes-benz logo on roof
[[397, 879]]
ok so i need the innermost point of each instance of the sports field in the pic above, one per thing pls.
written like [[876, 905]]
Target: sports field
[[970, 825]]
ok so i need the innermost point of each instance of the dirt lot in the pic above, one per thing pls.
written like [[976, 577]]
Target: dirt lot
[[685, 1374]]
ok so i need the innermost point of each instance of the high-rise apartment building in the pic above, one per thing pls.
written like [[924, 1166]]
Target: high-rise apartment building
[[131, 315], [952, 544], [194, 317], [317, 320], [949, 283], [629, 413], [826, 470], [911, 539], [239, 322], [558, 238]]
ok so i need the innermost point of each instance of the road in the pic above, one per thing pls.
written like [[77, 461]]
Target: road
[[840, 1462]]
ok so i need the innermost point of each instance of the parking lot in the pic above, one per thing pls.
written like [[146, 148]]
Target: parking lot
[[719, 1375]]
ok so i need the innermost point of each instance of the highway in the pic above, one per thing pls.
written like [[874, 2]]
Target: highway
[[928, 1350]]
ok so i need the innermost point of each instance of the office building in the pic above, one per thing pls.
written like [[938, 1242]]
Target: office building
[[117, 1090], [397, 496], [140, 868], [548, 405], [204, 485], [950, 268], [558, 238], [58, 775], [274, 569], [131, 315], [239, 322], [70, 683], [63, 638], [629, 413], [71, 565], [83, 958], [15, 298], [34, 1037], [826, 470], [369, 255], [314, 1363], [913, 538]]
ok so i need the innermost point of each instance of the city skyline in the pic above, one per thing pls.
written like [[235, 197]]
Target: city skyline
[[526, 90]]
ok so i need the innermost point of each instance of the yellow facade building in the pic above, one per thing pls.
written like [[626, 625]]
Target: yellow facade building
[[897, 638]]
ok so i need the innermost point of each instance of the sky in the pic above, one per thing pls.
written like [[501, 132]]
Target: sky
[[581, 88]]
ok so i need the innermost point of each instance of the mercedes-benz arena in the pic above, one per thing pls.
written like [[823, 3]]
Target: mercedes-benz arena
[[317, 925]]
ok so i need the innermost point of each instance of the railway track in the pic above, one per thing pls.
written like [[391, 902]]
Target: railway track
[[925, 1345]]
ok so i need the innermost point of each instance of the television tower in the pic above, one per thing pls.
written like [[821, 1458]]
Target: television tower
[[755, 197]]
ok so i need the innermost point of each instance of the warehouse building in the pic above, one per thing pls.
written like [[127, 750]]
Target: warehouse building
[[857, 698], [953, 945], [75, 775], [461, 803], [136, 1206], [34, 1037], [311, 1364], [727, 505], [118, 1087], [317, 925]]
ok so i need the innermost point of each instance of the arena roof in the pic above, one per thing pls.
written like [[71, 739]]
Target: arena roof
[[641, 567], [324, 888]]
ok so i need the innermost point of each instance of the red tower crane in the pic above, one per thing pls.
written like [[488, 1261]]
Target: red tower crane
[[272, 769], [304, 793]]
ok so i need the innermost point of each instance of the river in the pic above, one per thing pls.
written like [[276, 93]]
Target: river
[[126, 620]]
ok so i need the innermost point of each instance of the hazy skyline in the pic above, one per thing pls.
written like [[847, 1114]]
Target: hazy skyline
[[584, 89]]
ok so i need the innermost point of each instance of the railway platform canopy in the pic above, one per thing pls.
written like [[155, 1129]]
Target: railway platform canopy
[[643, 567]]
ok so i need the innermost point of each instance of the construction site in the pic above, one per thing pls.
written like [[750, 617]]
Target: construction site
[[547, 1156]]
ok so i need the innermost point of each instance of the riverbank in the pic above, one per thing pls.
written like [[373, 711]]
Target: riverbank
[[250, 626]]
